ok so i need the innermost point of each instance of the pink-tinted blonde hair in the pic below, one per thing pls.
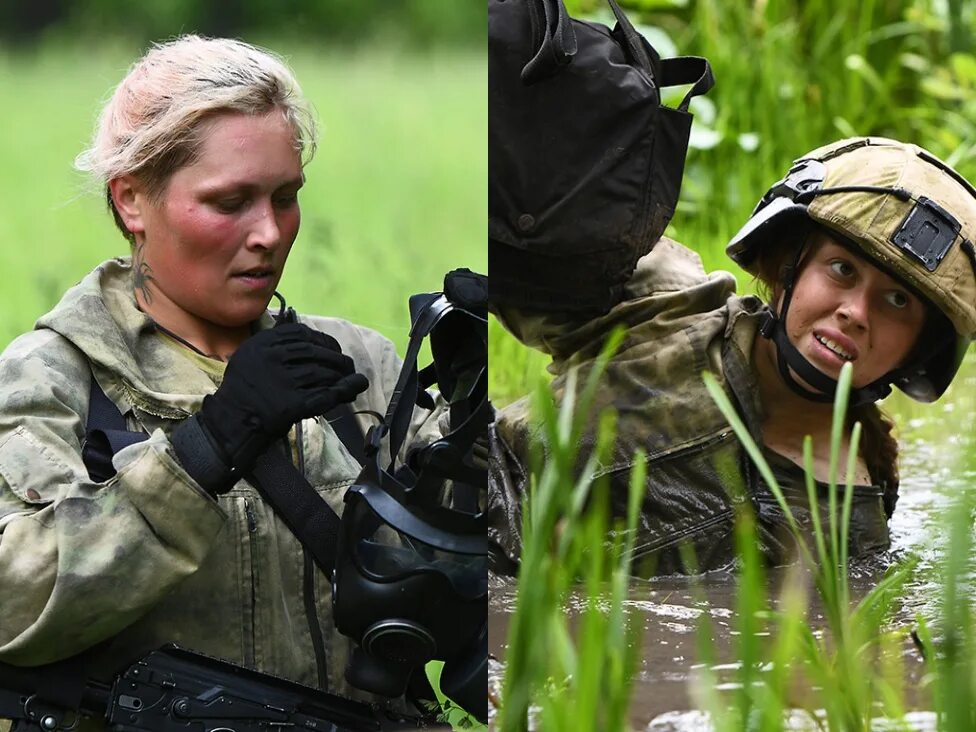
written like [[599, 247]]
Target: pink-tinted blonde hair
[[150, 127]]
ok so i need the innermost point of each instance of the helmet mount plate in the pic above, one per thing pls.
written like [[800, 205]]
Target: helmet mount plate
[[927, 233]]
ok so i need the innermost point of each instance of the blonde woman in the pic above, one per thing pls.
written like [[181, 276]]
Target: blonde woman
[[200, 152]]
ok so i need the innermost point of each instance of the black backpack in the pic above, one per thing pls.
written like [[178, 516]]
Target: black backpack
[[584, 163]]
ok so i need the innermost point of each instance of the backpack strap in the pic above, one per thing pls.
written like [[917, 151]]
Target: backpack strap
[[282, 485], [641, 53], [342, 419], [692, 70], [552, 37], [105, 434], [306, 514]]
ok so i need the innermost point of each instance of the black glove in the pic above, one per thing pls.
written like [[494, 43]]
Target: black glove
[[276, 378]]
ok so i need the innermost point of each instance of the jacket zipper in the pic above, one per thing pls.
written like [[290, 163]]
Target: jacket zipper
[[252, 528], [308, 586], [252, 525], [663, 456], [690, 449]]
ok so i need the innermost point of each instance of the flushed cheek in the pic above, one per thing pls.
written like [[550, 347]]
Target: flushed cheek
[[195, 259], [206, 236]]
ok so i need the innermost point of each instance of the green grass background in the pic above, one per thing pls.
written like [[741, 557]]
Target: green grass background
[[395, 196]]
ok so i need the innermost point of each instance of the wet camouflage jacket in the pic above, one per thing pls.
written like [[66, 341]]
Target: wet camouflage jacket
[[147, 557], [679, 322]]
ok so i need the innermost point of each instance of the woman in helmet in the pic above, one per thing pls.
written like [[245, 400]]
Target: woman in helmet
[[864, 254]]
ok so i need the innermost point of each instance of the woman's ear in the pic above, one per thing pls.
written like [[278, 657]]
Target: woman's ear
[[129, 200]]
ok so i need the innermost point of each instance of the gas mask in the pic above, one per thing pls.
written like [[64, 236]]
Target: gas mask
[[411, 582]]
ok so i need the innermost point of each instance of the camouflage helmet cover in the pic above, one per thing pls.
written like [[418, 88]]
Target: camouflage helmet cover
[[902, 207]]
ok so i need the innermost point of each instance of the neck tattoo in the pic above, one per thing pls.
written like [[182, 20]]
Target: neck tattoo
[[142, 273]]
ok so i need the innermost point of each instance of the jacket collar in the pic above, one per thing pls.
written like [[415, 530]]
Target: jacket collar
[[741, 330], [132, 363]]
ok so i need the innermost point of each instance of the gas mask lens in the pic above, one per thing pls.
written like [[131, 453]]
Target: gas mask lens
[[387, 554]]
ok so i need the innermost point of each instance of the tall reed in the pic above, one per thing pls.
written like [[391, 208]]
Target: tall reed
[[853, 673], [568, 673], [572, 673], [950, 651]]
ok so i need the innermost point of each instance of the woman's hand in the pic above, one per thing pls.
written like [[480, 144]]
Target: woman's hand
[[276, 378]]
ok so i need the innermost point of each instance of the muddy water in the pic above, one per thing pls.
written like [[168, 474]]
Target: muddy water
[[938, 460]]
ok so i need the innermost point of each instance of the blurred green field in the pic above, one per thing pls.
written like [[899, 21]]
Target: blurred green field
[[395, 196]]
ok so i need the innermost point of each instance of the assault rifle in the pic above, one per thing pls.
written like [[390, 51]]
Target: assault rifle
[[175, 689]]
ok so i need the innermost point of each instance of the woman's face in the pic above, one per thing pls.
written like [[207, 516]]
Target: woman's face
[[214, 245], [846, 309]]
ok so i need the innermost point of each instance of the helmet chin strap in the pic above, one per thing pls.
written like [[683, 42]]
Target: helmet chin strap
[[789, 357]]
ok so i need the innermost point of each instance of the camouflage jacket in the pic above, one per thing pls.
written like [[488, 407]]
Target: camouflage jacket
[[147, 557], [679, 322]]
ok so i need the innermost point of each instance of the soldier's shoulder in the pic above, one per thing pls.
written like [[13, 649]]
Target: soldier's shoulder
[[38, 359], [41, 344], [515, 425]]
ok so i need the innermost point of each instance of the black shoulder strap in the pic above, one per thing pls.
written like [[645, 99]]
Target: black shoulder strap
[[313, 521], [105, 434], [278, 481], [286, 489]]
